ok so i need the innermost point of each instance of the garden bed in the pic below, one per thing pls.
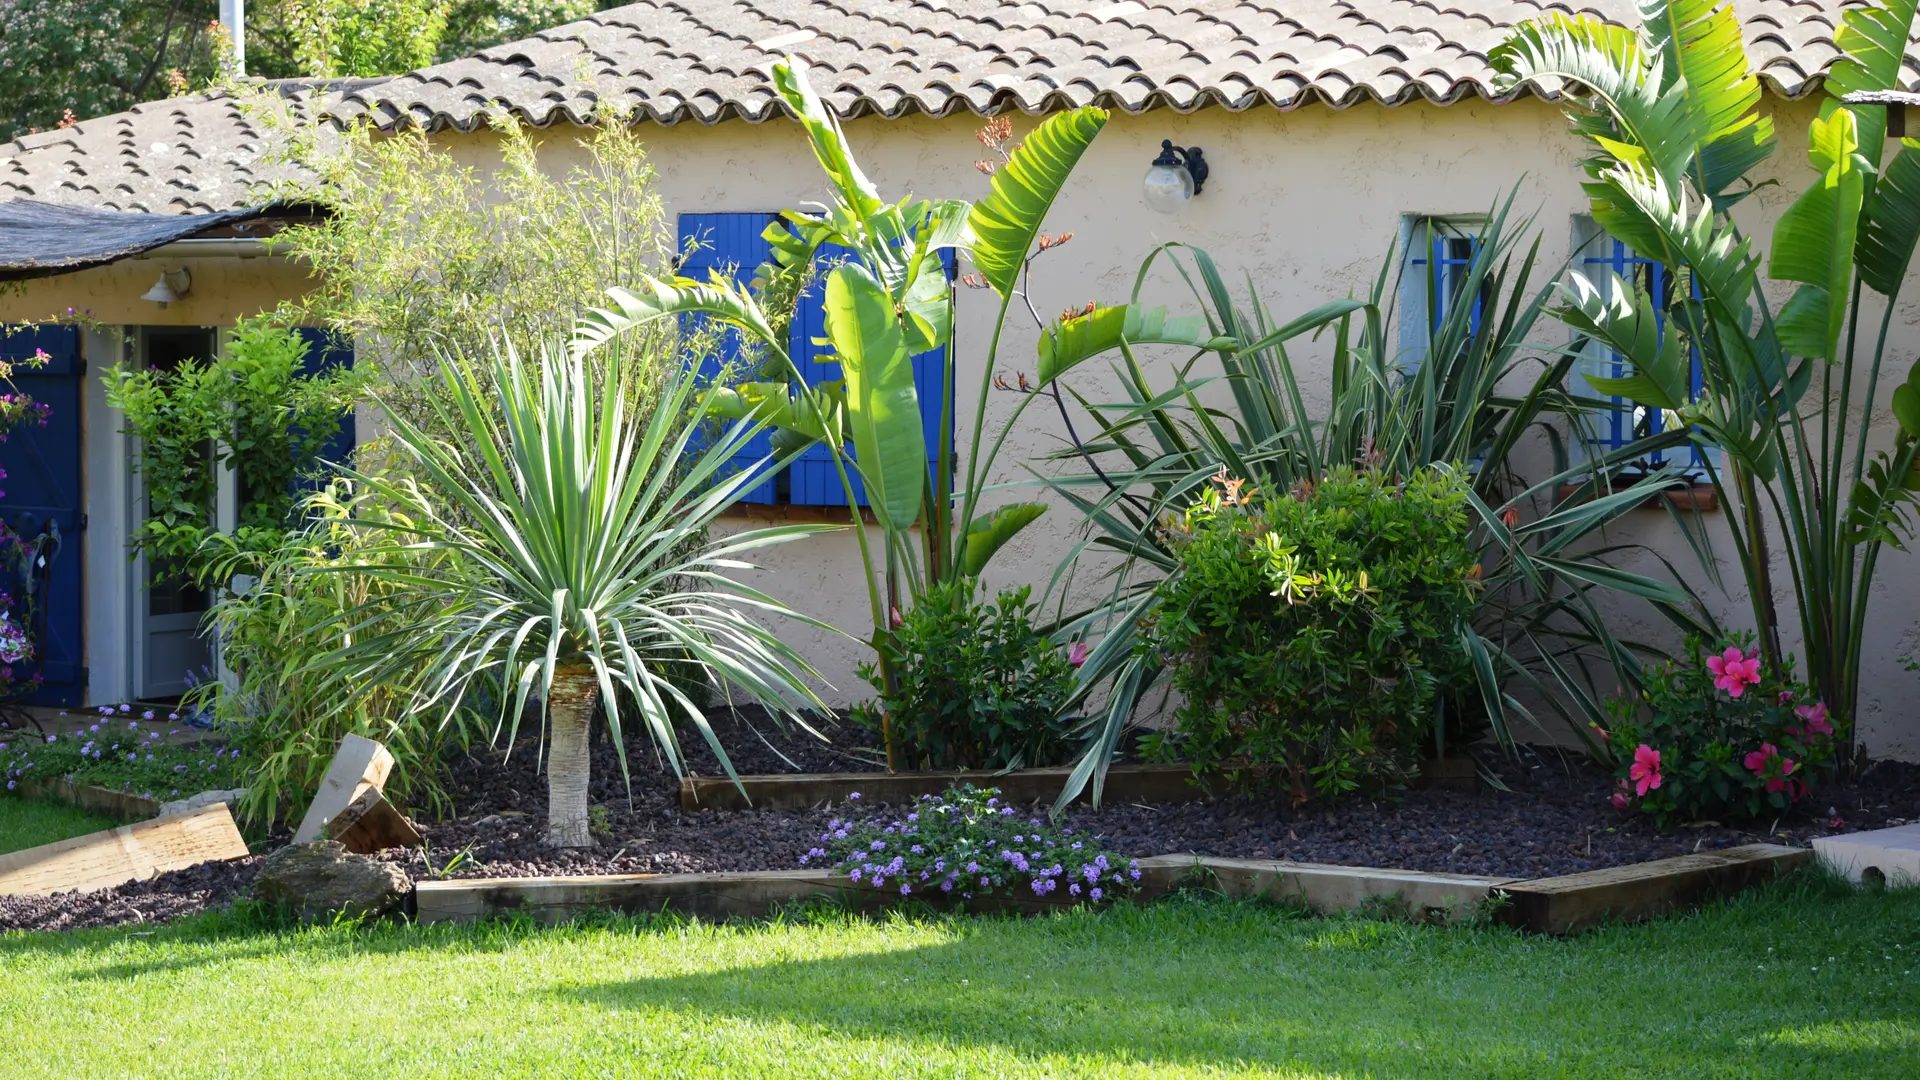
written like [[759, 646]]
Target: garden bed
[[1555, 821]]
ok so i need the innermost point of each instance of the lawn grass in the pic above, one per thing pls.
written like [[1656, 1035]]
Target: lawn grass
[[1802, 979], [26, 823]]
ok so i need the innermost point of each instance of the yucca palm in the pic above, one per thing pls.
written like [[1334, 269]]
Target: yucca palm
[[1671, 112], [585, 573]]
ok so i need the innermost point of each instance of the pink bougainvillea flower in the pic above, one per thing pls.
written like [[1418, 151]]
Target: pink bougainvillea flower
[[1818, 721], [1645, 772], [1077, 653], [1734, 671]]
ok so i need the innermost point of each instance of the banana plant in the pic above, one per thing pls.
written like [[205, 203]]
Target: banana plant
[[886, 304], [1671, 114]]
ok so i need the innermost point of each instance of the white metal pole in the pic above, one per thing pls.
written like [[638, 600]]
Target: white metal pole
[[233, 16]]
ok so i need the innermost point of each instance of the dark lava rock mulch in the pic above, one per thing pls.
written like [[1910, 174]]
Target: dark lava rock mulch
[[1554, 820], [167, 896]]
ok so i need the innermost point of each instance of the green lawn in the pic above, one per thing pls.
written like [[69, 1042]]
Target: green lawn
[[26, 823], [1803, 980]]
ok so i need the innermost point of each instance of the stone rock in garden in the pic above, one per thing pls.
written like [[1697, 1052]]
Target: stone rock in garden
[[230, 796], [320, 879], [370, 823]]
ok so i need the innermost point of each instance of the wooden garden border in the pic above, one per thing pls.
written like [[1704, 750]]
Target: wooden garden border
[[118, 805], [1547, 905]]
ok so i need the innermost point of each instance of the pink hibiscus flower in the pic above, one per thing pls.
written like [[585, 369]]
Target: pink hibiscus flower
[[1816, 717], [1077, 653], [1645, 772], [1734, 671]]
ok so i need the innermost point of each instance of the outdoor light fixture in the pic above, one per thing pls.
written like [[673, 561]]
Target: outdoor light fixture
[[173, 285], [1177, 175]]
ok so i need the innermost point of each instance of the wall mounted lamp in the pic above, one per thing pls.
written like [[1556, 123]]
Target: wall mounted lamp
[[1176, 176], [173, 285]]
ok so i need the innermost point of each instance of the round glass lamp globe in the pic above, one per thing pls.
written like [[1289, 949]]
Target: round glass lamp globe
[[1167, 188]]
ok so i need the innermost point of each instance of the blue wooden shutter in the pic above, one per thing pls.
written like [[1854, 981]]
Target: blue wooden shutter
[[328, 351], [815, 480], [41, 493], [733, 244]]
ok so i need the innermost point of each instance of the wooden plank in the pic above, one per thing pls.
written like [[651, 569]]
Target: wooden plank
[[358, 764], [118, 805], [1125, 783], [1413, 894], [129, 853], [370, 823], [1562, 905]]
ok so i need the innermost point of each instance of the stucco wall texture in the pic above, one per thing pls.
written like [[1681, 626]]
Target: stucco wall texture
[[1301, 205]]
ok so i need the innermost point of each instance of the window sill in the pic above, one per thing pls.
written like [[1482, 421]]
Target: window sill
[[1683, 496], [785, 514]]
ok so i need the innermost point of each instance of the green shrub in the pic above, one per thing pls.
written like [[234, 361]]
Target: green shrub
[[1720, 737], [978, 686], [1311, 636]]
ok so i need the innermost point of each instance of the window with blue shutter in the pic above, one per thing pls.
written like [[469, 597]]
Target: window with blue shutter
[[811, 480], [1600, 257], [1439, 254], [732, 244]]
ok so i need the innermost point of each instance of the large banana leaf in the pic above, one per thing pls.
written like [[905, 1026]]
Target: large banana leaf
[[1005, 222], [1701, 49], [1890, 223], [1069, 341], [774, 404], [1872, 39], [1660, 221], [829, 142], [1814, 240], [988, 533], [883, 408], [1625, 320]]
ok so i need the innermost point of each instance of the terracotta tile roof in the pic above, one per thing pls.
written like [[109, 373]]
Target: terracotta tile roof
[[706, 60], [673, 60]]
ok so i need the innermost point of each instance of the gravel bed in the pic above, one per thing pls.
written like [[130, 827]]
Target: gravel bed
[[1554, 820]]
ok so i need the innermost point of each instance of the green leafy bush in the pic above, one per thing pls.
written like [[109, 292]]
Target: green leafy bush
[[977, 686], [1312, 635], [1720, 736]]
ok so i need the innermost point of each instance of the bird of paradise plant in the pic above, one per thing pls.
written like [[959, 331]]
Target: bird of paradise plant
[[888, 303], [1671, 113]]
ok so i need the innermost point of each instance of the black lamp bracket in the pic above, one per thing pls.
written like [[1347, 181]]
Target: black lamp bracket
[[1187, 157]]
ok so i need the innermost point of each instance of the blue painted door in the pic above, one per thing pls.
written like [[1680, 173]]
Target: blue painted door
[[40, 499]]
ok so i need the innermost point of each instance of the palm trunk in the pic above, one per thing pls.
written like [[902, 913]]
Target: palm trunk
[[569, 768]]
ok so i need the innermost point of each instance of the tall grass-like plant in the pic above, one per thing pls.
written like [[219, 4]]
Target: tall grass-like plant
[[1671, 113], [1486, 384], [581, 574]]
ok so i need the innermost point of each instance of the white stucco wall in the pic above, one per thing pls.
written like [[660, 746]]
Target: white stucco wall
[[1304, 204]]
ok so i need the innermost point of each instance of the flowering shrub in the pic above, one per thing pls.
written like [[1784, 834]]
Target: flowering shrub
[[121, 749], [1310, 634], [1719, 737], [965, 842], [977, 686]]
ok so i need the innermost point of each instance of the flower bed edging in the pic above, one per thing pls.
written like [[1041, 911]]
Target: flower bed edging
[[118, 805], [1564, 905], [1547, 905]]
